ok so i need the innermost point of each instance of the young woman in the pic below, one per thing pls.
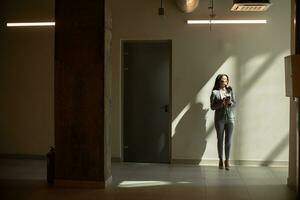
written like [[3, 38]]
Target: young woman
[[222, 101]]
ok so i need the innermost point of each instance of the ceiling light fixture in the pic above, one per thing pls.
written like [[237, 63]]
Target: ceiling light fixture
[[28, 24], [226, 21], [161, 10], [187, 6]]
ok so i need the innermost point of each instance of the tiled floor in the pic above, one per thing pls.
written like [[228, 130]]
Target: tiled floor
[[25, 179]]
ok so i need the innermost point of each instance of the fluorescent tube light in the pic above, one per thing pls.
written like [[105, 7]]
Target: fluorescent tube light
[[226, 21], [30, 24]]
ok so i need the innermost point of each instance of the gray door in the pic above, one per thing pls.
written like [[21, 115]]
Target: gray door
[[146, 68]]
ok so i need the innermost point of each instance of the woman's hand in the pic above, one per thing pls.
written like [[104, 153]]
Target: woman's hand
[[226, 101]]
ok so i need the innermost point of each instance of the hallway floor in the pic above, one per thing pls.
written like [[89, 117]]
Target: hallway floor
[[25, 179]]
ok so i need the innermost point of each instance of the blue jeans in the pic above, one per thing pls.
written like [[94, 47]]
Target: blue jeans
[[224, 126]]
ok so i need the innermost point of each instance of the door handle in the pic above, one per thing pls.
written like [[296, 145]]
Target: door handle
[[165, 107]]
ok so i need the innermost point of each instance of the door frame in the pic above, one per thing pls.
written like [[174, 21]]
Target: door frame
[[123, 42]]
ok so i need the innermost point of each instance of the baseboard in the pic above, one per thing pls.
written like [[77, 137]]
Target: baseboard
[[39, 157], [291, 184], [186, 161], [116, 159], [173, 161], [261, 163], [23, 156], [108, 181], [60, 183], [233, 162]]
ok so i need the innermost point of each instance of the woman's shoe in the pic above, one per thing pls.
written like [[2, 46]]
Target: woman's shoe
[[221, 164], [226, 164]]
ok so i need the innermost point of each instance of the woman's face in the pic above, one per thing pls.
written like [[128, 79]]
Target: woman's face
[[223, 81]]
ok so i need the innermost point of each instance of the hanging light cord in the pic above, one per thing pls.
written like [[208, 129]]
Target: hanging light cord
[[212, 14], [161, 9]]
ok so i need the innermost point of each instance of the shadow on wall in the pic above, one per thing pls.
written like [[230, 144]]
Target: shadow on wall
[[190, 134], [189, 139], [276, 151]]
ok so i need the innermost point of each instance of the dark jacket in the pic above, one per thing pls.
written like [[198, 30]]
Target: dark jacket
[[222, 112]]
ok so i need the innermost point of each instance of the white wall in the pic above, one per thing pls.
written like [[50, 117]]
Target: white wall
[[26, 78], [252, 55]]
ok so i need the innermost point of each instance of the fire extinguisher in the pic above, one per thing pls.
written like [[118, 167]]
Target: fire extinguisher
[[50, 166]]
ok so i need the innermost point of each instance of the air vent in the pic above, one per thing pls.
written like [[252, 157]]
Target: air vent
[[250, 5]]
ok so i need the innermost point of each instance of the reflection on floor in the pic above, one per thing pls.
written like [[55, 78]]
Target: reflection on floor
[[25, 179]]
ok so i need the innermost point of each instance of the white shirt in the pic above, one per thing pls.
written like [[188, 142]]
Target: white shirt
[[224, 93]]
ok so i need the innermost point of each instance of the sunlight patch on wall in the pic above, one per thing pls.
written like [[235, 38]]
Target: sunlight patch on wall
[[178, 118], [203, 96], [262, 91], [253, 65], [266, 72]]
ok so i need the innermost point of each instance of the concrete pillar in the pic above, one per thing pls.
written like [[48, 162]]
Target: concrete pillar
[[82, 93]]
